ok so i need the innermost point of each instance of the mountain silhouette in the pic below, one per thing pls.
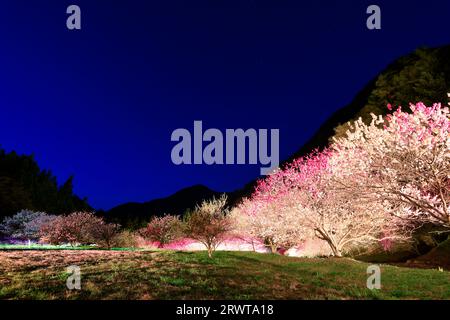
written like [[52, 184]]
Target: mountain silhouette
[[135, 213]]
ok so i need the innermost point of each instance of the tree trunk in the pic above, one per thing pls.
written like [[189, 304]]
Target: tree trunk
[[210, 252], [336, 251], [273, 248], [338, 254]]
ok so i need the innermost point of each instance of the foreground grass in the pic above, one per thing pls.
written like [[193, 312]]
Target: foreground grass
[[185, 275]]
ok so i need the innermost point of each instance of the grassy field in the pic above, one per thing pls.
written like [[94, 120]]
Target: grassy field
[[185, 275]]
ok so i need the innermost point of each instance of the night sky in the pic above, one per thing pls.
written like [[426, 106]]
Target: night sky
[[101, 103]]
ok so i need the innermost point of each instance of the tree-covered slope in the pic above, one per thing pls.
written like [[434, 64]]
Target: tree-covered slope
[[423, 75], [23, 185]]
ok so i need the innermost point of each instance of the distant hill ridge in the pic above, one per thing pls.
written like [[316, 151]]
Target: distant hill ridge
[[177, 203]]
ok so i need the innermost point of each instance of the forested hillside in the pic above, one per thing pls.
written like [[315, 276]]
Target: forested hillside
[[423, 75], [23, 185]]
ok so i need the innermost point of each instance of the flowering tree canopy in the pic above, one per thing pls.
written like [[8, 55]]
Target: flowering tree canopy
[[163, 229], [209, 223], [78, 228], [25, 224], [380, 182], [404, 162]]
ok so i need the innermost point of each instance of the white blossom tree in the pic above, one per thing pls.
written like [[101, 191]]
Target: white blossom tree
[[405, 164], [209, 223]]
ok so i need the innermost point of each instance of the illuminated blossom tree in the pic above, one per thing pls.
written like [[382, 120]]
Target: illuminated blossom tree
[[25, 224], [344, 220], [270, 226], [268, 217], [209, 223], [104, 234], [76, 228], [303, 201], [378, 184], [403, 162], [163, 229]]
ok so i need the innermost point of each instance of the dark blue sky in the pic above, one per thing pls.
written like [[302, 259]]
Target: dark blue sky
[[101, 103]]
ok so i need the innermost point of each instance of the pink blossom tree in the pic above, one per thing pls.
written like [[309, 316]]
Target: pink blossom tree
[[104, 234], [163, 229], [78, 228]]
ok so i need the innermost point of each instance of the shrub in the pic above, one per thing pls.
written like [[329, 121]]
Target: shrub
[[127, 239]]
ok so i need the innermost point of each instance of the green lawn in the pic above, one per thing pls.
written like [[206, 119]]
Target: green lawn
[[185, 275]]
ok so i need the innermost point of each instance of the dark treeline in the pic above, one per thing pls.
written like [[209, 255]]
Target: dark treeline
[[23, 185]]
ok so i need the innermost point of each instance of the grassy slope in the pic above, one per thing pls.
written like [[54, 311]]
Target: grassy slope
[[183, 275]]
